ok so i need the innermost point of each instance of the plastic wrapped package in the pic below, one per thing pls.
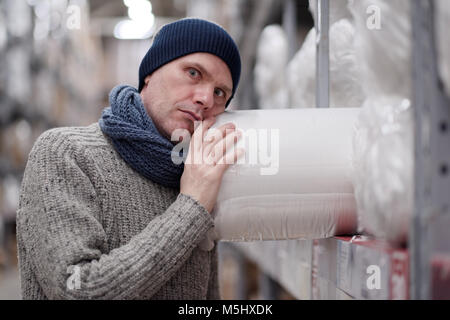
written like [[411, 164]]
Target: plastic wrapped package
[[383, 167], [18, 18], [383, 45], [338, 10], [383, 143], [345, 80], [271, 61], [294, 181], [443, 45]]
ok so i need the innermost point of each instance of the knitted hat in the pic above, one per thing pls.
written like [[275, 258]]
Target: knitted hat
[[187, 36]]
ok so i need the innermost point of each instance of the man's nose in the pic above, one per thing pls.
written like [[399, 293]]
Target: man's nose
[[204, 96]]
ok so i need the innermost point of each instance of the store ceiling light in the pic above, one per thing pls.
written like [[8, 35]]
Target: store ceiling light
[[140, 25], [140, 10], [132, 3], [130, 29]]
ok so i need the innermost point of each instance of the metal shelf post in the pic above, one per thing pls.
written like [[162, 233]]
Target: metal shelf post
[[322, 54], [432, 152]]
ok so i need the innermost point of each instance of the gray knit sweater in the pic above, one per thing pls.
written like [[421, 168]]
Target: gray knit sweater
[[86, 218]]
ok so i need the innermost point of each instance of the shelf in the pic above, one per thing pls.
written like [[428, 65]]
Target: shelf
[[334, 268]]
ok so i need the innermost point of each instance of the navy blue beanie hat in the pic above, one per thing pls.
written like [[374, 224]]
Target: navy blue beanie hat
[[187, 36]]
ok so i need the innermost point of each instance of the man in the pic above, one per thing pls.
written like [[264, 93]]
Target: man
[[104, 212]]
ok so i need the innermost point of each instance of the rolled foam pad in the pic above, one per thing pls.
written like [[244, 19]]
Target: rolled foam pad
[[295, 181]]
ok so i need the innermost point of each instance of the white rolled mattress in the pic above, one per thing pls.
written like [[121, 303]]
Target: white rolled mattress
[[295, 182]]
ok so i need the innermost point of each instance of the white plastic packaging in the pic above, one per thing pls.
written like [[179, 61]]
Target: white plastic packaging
[[295, 181], [383, 45], [345, 75], [270, 75], [383, 143], [383, 168]]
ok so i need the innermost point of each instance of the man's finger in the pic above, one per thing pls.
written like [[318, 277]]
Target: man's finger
[[215, 135], [225, 145], [200, 132], [231, 157]]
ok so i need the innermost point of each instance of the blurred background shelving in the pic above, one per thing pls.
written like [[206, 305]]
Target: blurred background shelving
[[60, 58]]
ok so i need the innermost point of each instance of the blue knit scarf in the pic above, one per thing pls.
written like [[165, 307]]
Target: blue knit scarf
[[136, 139]]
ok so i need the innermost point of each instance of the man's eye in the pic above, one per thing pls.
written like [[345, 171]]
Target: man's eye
[[194, 73], [219, 93]]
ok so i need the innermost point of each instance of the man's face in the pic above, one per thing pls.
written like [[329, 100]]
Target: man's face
[[191, 88]]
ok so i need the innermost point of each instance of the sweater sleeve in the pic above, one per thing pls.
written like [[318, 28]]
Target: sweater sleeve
[[213, 285], [65, 242]]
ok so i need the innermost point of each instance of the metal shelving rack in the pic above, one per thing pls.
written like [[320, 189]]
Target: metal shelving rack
[[432, 152], [409, 273], [323, 54], [431, 138]]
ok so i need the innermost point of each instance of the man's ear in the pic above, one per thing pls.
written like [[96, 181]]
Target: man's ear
[[146, 80]]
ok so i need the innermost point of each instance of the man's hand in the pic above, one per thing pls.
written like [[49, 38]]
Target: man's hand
[[207, 161]]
